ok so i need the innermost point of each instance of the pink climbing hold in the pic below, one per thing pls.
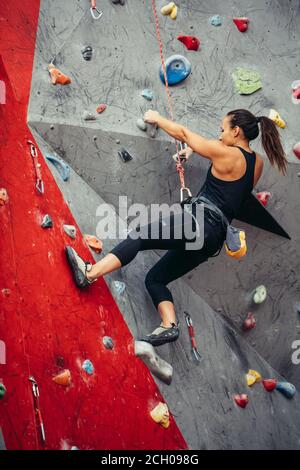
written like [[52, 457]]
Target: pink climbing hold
[[269, 384], [102, 107], [250, 322], [241, 400], [296, 150], [191, 42], [241, 24], [3, 196], [263, 197]]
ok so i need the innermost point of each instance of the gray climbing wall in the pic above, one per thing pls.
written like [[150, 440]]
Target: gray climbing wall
[[126, 60]]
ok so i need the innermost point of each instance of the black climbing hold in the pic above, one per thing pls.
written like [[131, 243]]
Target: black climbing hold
[[124, 155], [87, 52], [47, 221], [108, 342]]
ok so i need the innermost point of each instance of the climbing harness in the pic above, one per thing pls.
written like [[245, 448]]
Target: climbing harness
[[179, 168], [37, 166], [96, 14], [195, 351], [36, 404]]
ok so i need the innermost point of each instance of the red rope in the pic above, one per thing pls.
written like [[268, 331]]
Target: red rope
[[179, 166]]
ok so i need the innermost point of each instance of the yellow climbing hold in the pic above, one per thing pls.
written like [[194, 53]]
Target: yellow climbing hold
[[166, 10], [275, 116], [252, 377], [160, 414], [170, 9]]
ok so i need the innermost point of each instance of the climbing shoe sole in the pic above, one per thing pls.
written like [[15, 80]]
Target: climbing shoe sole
[[169, 336], [78, 267]]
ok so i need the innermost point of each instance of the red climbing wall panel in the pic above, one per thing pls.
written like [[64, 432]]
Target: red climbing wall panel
[[46, 323]]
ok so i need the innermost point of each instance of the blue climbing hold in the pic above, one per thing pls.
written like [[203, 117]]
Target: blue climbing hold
[[298, 307], [148, 94], [61, 166], [88, 367], [216, 20], [119, 287], [178, 69], [286, 388]]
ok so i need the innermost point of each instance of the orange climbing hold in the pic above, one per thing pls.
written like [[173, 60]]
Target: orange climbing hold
[[94, 243], [57, 77], [63, 378], [102, 107], [241, 24], [3, 196]]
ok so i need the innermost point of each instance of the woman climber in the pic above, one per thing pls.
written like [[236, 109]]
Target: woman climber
[[235, 169]]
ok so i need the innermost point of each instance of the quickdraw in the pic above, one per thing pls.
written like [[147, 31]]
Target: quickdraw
[[36, 404], [37, 166], [96, 14], [195, 351], [179, 168]]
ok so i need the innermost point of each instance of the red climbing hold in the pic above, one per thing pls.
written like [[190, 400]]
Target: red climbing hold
[[102, 107], [296, 150], [191, 42], [269, 384], [3, 196], [250, 322], [241, 23], [263, 197], [241, 400]]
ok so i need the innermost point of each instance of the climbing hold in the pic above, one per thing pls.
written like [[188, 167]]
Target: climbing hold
[[246, 81], [259, 295], [57, 77], [250, 322], [61, 166], [178, 69], [3, 197], [108, 342], [160, 414], [153, 130], [252, 377], [141, 124], [6, 292], [191, 42], [70, 230], [87, 116], [119, 287], [121, 2], [94, 243], [160, 368], [88, 367], [296, 150], [275, 116], [102, 107], [269, 384], [297, 306], [63, 378], [74, 448], [263, 197], [286, 388], [241, 400], [124, 155], [2, 390], [215, 20], [241, 24], [87, 52], [296, 92], [170, 9], [147, 94], [174, 12], [47, 221]]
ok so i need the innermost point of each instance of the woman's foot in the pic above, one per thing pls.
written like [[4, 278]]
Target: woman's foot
[[162, 335], [79, 268]]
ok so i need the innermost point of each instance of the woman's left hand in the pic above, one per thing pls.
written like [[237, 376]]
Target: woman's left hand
[[151, 116]]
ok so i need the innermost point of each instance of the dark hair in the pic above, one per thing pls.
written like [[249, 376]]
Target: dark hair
[[269, 135]]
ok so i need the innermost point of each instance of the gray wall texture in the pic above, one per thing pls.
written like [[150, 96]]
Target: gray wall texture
[[126, 60]]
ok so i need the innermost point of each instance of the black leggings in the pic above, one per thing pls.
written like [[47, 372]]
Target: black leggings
[[178, 260]]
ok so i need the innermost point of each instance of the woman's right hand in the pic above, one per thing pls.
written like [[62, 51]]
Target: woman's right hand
[[184, 154]]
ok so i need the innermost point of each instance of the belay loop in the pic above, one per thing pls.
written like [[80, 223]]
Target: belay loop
[[179, 166]]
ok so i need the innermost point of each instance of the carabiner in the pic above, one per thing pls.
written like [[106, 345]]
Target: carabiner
[[95, 9], [182, 193]]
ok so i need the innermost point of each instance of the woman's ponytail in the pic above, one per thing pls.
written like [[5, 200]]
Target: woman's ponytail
[[272, 145]]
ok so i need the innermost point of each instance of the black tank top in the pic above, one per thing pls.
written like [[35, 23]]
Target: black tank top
[[230, 195]]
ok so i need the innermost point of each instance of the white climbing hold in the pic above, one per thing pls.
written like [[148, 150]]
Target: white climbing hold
[[87, 116], [119, 287], [260, 294], [158, 366], [70, 230], [141, 124]]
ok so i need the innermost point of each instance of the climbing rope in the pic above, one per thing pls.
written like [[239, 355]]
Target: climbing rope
[[179, 167]]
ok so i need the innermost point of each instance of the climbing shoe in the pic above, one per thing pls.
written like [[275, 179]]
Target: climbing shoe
[[162, 335], [79, 268]]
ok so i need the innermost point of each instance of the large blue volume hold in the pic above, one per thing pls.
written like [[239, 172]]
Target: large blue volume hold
[[178, 69]]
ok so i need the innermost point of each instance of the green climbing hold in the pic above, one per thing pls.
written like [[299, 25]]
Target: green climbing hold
[[2, 390], [246, 81]]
